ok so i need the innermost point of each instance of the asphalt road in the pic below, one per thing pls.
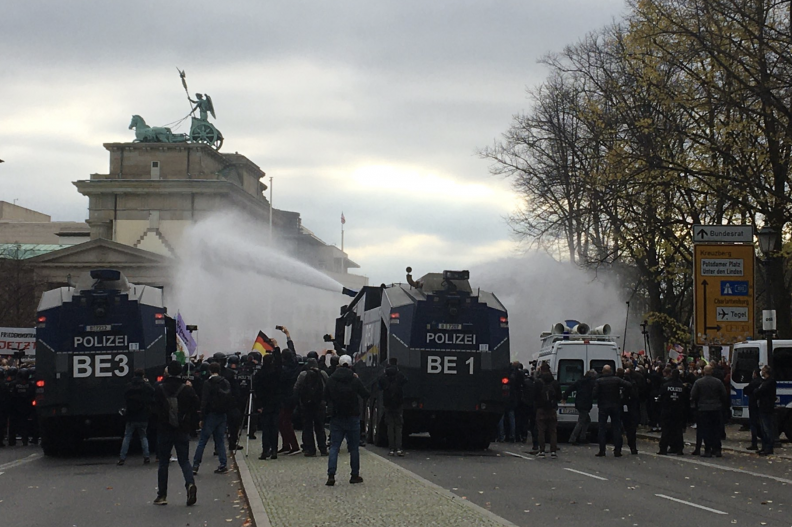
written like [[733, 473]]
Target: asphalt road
[[581, 489], [89, 490]]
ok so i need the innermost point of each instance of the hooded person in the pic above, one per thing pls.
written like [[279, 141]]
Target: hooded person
[[391, 384], [343, 390], [309, 388]]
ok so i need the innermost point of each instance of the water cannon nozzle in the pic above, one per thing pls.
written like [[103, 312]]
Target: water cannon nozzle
[[349, 292]]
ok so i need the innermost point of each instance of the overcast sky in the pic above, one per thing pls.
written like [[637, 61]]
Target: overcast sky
[[376, 109]]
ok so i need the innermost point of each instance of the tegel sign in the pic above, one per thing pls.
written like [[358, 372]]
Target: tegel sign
[[723, 233]]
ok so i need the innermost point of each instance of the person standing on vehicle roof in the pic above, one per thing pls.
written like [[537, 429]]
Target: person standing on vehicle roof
[[607, 392], [175, 402], [343, 390], [391, 384], [139, 396], [310, 388], [583, 389]]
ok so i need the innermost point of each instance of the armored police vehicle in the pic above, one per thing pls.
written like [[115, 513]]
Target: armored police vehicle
[[90, 339], [451, 342], [751, 355], [571, 349]]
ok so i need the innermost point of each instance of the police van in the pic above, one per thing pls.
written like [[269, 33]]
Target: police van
[[90, 338], [751, 355], [571, 349]]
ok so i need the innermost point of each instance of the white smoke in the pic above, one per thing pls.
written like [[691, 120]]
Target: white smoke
[[231, 283], [538, 292]]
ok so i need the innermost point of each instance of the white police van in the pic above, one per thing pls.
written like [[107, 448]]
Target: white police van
[[571, 349], [751, 355]]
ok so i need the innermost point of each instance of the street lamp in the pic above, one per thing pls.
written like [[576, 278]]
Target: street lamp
[[645, 334], [767, 244], [767, 240]]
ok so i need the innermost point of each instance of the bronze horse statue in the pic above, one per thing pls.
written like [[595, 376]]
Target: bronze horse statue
[[153, 134]]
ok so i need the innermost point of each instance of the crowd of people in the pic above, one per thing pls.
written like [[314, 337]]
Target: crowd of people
[[664, 396], [211, 398]]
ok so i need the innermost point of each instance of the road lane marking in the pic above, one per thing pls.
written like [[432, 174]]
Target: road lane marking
[[716, 511], [714, 465], [519, 455], [18, 462], [586, 474]]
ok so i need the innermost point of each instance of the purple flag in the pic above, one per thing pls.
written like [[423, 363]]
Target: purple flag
[[186, 336]]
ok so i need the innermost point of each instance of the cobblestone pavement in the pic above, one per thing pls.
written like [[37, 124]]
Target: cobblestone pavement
[[293, 492]]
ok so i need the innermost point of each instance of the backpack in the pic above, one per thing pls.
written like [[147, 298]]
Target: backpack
[[547, 395], [312, 388], [174, 419], [392, 396]]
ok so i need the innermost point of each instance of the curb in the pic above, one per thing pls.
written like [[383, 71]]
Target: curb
[[256, 506], [724, 447]]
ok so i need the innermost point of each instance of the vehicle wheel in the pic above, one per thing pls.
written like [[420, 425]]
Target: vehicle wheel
[[478, 441], [788, 427]]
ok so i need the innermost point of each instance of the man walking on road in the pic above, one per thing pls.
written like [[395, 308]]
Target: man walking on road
[[176, 401], [709, 395], [342, 391], [607, 392], [216, 400]]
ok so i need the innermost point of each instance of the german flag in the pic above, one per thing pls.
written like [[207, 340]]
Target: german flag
[[262, 344]]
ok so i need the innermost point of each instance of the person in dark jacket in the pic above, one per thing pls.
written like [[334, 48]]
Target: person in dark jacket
[[527, 410], [753, 409], [342, 390], [310, 395], [709, 395], [266, 387], [765, 399], [607, 392], [391, 384], [170, 436], [291, 370], [547, 394], [5, 403], [214, 418], [631, 409], [139, 396], [583, 389], [22, 393], [674, 404]]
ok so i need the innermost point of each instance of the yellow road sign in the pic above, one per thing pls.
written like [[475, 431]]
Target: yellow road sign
[[723, 293]]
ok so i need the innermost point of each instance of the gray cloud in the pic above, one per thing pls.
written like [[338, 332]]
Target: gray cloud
[[310, 91]]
